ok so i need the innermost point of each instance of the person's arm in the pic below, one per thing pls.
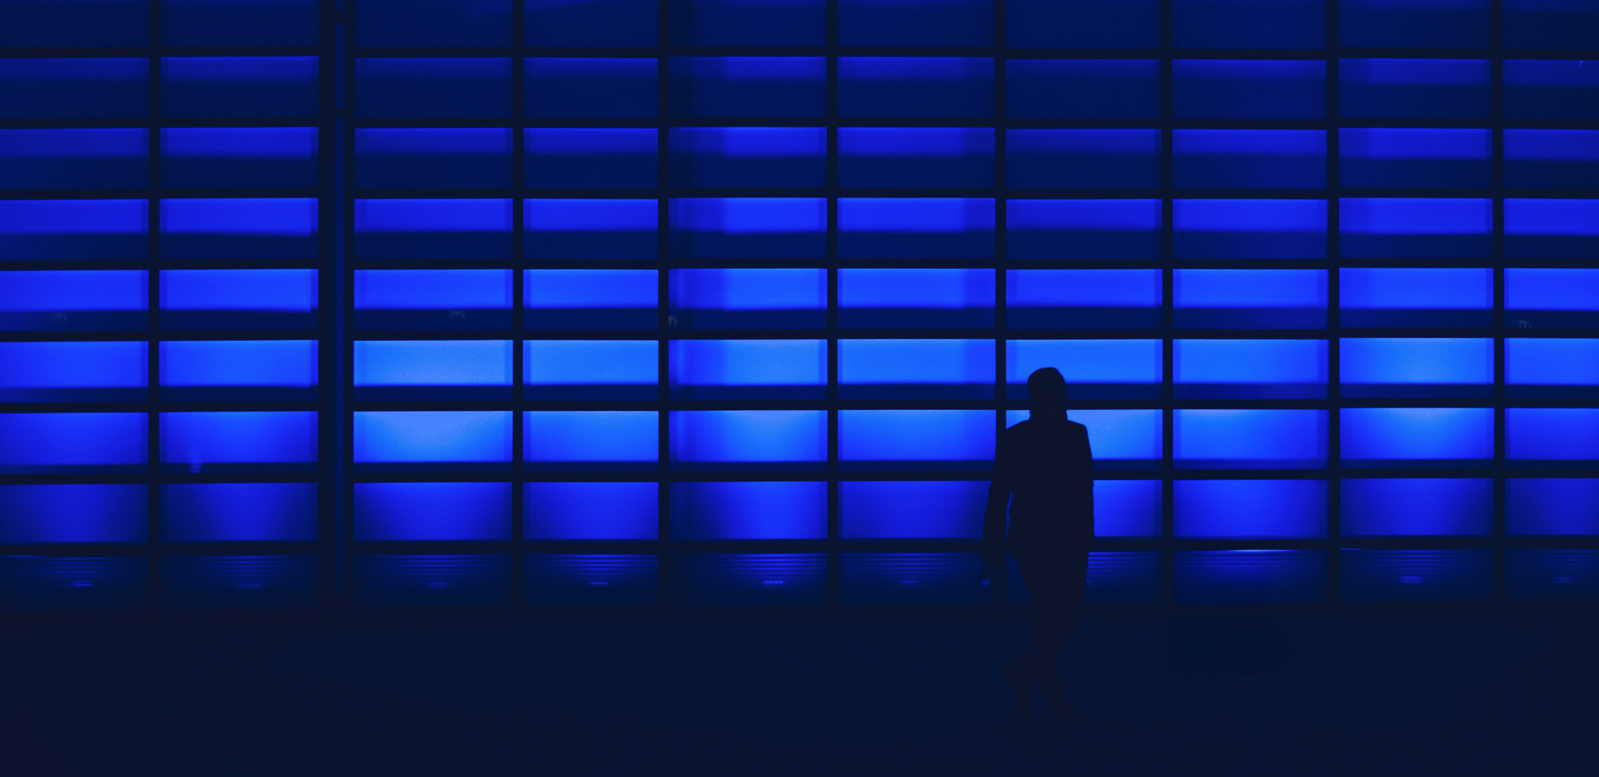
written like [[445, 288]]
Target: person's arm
[[999, 492]]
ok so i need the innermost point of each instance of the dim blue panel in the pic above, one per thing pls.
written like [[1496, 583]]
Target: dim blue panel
[[240, 22], [1082, 158], [591, 88], [1551, 229], [591, 369], [916, 369], [73, 442], [1413, 88], [1081, 299], [1248, 24], [1249, 299], [238, 512], [1416, 436], [1550, 436], [733, 298], [74, 372], [239, 581], [751, 579], [1082, 24], [1538, 297], [921, 228], [748, 510], [591, 229], [1383, 227], [1400, 296], [748, 439], [591, 23], [51, 583], [747, 23], [439, 440], [432, 369], [606, 510], [1391, 507], [218, 157], [631, 580], [747, 369], [1551, 89], [915, 86], [432, 581], [432, 511], [74, 513], [1113, 576], [402, 158], [1250, 369], [1249, 229], [61, 88], [1128, 508], [433, 22], [1250, 439], [74, 300], [896, 579], [239, 228], [1083, 229], [74, 229], [1536, 573], [1416, 367], [1416, 157], [590, 299], [1249, 159], [915, 298], [1549, 24], [919, 509], [239, 442], [1120, 439], [745, 86], [916, 23], [441, 87], [238, 370], [1550, 367], [433, 299], [1082, 88], [74, 158], [239, 299], [591, 158], [915, 156], [428, 229], [1414, 575], [608, 440], [1250, 509], [1456, 24], [1559, 506], [748, 227], [193, 87], [38, 23], [1094, 369], [1249, 89], [1249, 576], [915, 439], [1551, 159]]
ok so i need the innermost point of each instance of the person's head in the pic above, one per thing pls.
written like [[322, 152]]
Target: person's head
[[1047, 389]]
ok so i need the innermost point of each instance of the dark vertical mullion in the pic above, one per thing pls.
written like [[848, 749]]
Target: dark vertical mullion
[[1168, 411], [518, 273], [344, 304], [329, 467], [1001, 256], [1497, 117], [834, 486], [667, 560], [154, 546], [1334, 265]]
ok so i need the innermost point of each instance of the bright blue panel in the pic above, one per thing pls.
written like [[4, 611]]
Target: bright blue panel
[[748, 156], [591, 369], [1250, 509], [36, 23], [1416, 436], [74, 158], [751, 579], [1249, 229], [588, 580], [1551, 574], [921, 297], [592, 511], [1551, 367], [1082, 299], [239, 581], [239, 299], [746, 86], [911, 579], [1551, 297], [1416, 366], [1082, 88], [916, 439], [73, 442], [754, 510], [1249, 159], [74, 300], [590, 299], [748, 439], [589, 439], [916, 369], [744, 227], [433, 22], [1382, 227], [1413, 507], [238, 370], [398, 158], [74, 372], [591, 23], [61, 88], [43, 582], [1094, 369], [1414, 23], [239, 156], [432, 511], [734, 298], [915, 86], [454, 87], [1551, 506], [915, 156], [1250, 439], [239, 86], [1083, 24], [1120, 439], [433, 299], [1083, 229], [238, 512], [74, 229], [74, 513], [1248, 24], [426, 229], [1567, 436], [1413, 88], [1402, 296], [1549, 24], [1415, 157], [239, 441], [1249, 369], [748, 369], [591, 158], [432, 369], [239, 228], [1550, 158], [1082, 158], [591, 87], [435, 439], [591, 229], [1550, 89], [748, 23], [922, 509], [923, 228], [1249, 89], [916, 23], [1253, 299], [413, 581], [1415, 575], [1248, 576], [1128, 508], [1551, 229], [240, 22]]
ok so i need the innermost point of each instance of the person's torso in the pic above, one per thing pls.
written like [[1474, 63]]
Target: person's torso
[[1052, 481]]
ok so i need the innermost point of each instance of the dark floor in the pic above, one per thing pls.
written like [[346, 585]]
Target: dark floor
[[1367, 695]]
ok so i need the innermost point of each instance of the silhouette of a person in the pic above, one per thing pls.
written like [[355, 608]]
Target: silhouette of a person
[[1043, 472]]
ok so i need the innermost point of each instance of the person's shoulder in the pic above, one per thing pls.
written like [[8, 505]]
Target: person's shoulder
[[1076, 428]]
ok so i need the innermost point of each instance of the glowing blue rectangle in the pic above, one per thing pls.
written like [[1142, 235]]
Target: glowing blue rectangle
[[873, 369], [1082, 24], [60, 88], [1092, 368], [751, 510], [747, 298], [916, 86], [1249, 439], [1551, 158], [240, 23], [1250, 509], [1250, 369], [74, 229], [1380, 227], [1416, 436], [918, 23], [74, 372], [74, 442], [1549, 435], [255, 228], [1558, 89], [748, 156], [1401, 288], [395, 158], [239, 86], [1416, 366], [447, 23], [239, 156], [590, 299], [455, 87], [1415, 575], [1414, 88], [742, 23], [432, 299], [1414, 23], [1083, 299], [238, 512], [922, 509], [587, 580], [921, 297], [421, 229], [1083, 229], [1120, 439], [1082, 88], [751, 579], [247, 441], [915, 156], [1249, 159], [433, 439], [591, 158], [1248, 24], [895, 227], [911, 579], [1249, 89], [592, 511], [73, 300], [239, 369], [592, 87], [747, 86], [432, 511], [769, 227], [1128, 508], [1551, 229], [591, 229], [1551, 366], [74, 158], [74, 513], [591, 369], [406, 141], [1415, 157], [239, 299], [1248, 576], [1082, 158], [709, 369], [1555, 294], [432, 362], [1562, 506], [45, 582], [1408, 507], [591, 439], [1249, 229], [748, 439], [437, 581], [598, 141], [1254, 299], [915, 439]]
